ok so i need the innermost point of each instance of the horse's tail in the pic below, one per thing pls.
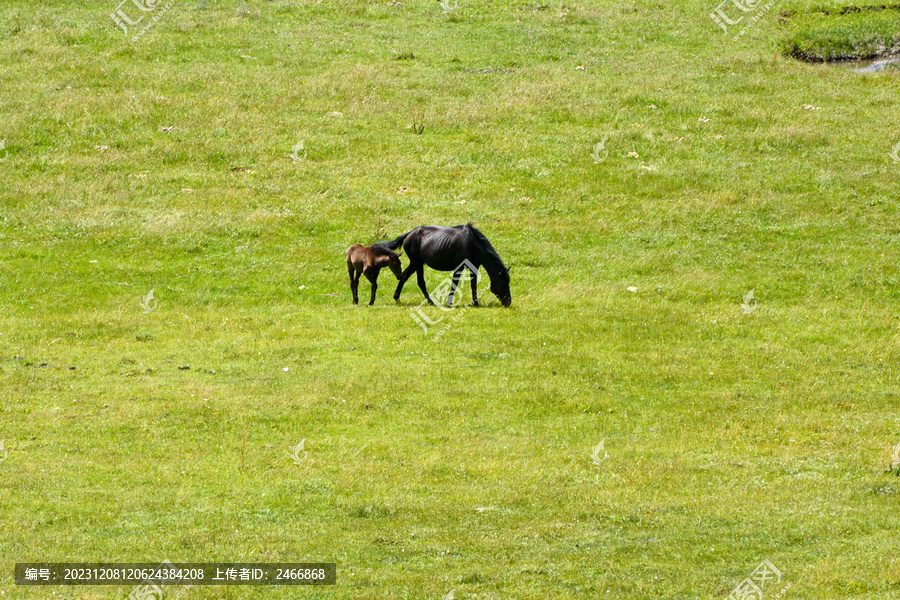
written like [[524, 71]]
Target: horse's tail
[[397, 243]]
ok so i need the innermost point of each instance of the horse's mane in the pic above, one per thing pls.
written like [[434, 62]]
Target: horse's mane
[[381, 249], [486, 246]]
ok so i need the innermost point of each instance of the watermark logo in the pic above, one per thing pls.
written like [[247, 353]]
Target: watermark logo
[[4, 150], [600, 152], [149, 302], [296, 150], [123, 20], [754, 587], [152, 590], [749, 304], [740, 9], [449, 5], [443, 299], [895, 155], [299, 453], [595, 454], [146, 591], [895, 458], [421, 319], [4, 452], [140, 8]]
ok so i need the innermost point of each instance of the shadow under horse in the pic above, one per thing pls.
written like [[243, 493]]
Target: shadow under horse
[[454, 249], [369, 261]]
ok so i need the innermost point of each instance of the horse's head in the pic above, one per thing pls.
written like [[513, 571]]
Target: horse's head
[[500, 286]]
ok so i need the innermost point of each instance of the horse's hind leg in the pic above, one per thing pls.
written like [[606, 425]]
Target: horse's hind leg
[[420, 279], [407, 273]]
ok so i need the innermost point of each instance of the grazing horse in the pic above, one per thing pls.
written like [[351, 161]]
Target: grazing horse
[[369, 261], [452, 249]]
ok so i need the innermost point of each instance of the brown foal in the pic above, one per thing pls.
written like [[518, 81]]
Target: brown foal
[[369, 261]]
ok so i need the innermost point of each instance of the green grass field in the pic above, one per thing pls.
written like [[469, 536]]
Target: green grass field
[[640, 169]]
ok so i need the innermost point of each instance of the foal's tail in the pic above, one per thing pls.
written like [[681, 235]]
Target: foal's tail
[[395, 244]]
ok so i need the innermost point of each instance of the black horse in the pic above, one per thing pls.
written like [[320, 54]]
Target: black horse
[[452, 249]]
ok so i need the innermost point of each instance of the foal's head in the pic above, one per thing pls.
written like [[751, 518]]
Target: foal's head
[[385, 257]]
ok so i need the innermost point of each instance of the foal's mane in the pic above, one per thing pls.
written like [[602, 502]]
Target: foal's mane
[[382, 250]]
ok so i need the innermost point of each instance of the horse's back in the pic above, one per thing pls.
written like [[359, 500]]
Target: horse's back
[[440, 247]]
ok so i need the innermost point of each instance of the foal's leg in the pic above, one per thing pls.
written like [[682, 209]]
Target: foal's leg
[[473, 277], [372, 276], [420, 279], [407, 273], [354, 282]]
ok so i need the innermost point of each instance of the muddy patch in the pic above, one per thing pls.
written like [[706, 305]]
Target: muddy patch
[[870, 65]]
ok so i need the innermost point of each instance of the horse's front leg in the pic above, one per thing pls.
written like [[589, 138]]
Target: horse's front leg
[[454, 285], [420, 278], [407, 273], [372, 276], [473, 278]]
